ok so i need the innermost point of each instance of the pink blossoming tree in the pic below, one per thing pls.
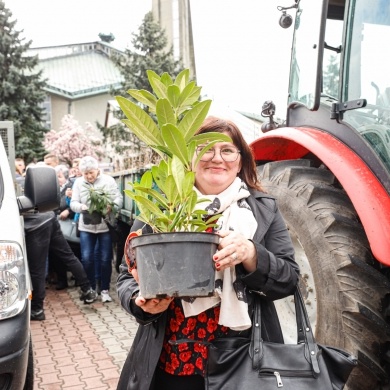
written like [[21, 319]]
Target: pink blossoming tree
[[72, 141]]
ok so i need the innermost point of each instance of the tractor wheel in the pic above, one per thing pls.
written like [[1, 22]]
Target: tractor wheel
[[346, 294]]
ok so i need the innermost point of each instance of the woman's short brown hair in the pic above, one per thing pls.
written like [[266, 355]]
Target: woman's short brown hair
[[248, 172]]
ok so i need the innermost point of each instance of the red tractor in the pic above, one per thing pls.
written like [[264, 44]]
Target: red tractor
[[329, 167]]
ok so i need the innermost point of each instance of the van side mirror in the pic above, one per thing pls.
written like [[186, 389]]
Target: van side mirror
[[41, 190]]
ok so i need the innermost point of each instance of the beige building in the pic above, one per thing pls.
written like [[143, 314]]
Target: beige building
[[79, 80]]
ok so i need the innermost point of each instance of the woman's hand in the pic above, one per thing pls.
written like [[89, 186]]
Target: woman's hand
[[152, 306], [64, 214], [234, 249]]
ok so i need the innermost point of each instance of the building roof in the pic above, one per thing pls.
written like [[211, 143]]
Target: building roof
[[76, 71]]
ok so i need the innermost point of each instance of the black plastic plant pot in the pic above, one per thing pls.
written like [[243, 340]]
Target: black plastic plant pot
[[93, 218], [176, 264]]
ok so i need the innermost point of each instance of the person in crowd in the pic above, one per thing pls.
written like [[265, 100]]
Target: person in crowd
[[51, 159], [44, 239], [64, 213], [20, 171], [99, 234], [254, 245], [66, 184], [20, 166], [74, 172]]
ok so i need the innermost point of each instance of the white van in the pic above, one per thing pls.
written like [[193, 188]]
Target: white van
[[41, 193]]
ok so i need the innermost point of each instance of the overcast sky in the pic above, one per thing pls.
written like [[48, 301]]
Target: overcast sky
[[242, 55]]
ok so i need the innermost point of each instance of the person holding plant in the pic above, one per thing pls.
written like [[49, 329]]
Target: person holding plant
[[255, 255], [95, 193]]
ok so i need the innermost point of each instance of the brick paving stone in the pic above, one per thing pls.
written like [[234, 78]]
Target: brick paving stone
[[80, 346], [72, 380], [94, 382], [68, 370], [64, 360]]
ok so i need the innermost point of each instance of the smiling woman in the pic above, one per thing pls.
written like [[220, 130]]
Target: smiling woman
[[253, 240]]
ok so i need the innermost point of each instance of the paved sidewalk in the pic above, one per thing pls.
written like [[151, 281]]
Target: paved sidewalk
[[78, 346]]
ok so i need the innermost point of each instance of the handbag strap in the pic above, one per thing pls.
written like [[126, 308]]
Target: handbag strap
[[256, 340], [305, 333]]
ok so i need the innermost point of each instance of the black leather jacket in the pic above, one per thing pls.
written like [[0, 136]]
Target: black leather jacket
[[276, 277]]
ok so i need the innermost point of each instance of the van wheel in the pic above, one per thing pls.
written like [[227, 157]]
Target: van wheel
[[344, 290]]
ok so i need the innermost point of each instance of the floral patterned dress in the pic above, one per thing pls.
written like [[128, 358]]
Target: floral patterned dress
[[189, 358]]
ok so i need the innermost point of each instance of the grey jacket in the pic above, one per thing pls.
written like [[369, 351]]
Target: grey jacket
[[276, 277]]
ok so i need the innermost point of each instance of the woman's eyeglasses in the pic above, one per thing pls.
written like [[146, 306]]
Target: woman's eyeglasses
[[228, 154]]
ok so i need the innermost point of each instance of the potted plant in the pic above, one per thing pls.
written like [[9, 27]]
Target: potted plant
[[172, 209], [100, 199]]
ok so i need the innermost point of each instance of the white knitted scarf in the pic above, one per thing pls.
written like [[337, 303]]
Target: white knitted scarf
[[237, 216]]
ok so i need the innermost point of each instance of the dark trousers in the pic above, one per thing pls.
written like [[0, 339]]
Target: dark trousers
[[165, 381], [39, 242]]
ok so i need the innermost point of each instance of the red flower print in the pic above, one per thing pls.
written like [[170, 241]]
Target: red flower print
[[199, 363], [183, 347], [185, 356], [202, 317], [169, 369], [174, 361], [188, 369], [211, 325], [174, 326], [179, 315], [201, 333], [198, 347], [191, 323]]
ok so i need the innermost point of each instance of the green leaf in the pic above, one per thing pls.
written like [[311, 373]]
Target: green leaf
[[139, 122], [173, 95], [191, 100], [213, 218], [191, 150], [157, 196], [149, 205], [192, 199], [146, 180], [158, 87], [178, 174], [160, 174], [145, 97], [185, 93], [188, 183], [193, 119], [182, 79], [205, 138], [164, 150], [166, 79], [165, 113], [174, 140], [171, 191]]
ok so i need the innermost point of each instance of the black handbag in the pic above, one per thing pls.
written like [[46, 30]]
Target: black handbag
[[240, 363]]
